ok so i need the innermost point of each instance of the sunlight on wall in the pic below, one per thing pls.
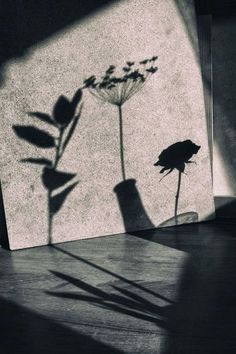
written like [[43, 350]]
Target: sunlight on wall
[[168, 109]]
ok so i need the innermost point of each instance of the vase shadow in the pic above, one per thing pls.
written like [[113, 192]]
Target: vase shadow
[[131, 207]]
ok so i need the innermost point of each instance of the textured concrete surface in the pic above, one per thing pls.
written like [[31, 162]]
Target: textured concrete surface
[[168, 109]]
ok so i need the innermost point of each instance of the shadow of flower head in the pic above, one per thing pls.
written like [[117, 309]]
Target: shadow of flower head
[[176, 156], [117, 86], [117, 89]]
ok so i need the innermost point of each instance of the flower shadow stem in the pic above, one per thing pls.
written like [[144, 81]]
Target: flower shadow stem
[[121, 143], [58, 148], [50, 218], [177, 197]]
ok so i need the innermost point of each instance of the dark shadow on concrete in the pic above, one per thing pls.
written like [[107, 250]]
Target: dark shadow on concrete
[[174, 157], [24, 23], [23, 331], [64, 119], [131, 207], [187, 15], [203, 318], [3, 225]]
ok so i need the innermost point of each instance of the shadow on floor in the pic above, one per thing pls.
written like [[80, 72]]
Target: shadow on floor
[[23, 331], [203, 318], [104, 270], [181, 237], [119, 300]]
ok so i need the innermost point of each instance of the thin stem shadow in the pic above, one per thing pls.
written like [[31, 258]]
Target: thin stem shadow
[[121, 143], [64, 119], [174, 157], [177, 197]]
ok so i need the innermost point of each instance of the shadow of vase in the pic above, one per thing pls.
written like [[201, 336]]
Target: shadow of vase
[[132, 210]]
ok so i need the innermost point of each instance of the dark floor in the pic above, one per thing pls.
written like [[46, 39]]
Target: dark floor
[[169, 291]]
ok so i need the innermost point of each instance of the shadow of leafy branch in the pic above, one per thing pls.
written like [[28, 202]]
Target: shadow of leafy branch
[[123, 301], [65, 119]]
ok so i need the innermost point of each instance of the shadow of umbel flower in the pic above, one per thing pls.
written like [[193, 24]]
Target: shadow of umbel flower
[[117, 89], [175, 157], [65, 119]]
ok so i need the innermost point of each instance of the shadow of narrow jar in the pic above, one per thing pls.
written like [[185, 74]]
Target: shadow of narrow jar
[[132, 210]]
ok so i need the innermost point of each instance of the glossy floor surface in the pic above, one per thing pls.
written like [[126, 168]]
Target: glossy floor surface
[[165, 291]]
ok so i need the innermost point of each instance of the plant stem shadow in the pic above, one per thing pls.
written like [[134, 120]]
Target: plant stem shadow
[[64, 119]]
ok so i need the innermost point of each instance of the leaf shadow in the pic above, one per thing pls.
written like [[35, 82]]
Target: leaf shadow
[[64, 119], [124, 302], [58, 200]]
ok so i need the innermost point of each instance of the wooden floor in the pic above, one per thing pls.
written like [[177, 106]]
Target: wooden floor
[[169, 291]]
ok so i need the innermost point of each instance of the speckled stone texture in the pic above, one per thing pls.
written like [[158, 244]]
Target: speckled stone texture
[[168, 109]]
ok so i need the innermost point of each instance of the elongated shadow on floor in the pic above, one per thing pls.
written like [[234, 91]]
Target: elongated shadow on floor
[[203, 318], [120, 300], [187, 238], [23, 331], [113, 274]]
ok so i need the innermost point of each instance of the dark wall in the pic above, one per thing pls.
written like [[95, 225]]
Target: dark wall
[[216, 7]]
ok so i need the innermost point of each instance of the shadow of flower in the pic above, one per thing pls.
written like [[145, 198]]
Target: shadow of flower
[[117, 89], [175, 157]]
